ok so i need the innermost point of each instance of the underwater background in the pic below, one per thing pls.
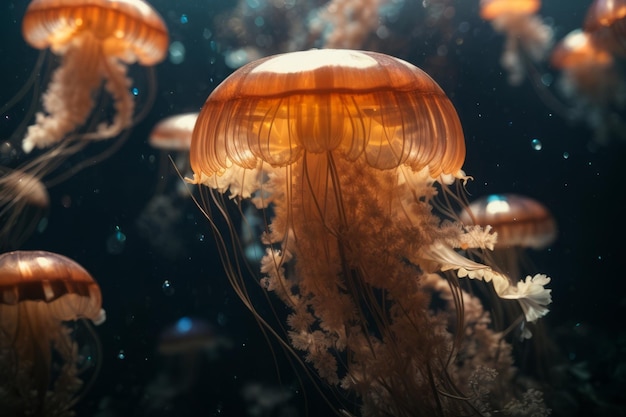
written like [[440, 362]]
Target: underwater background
[[152, 252]]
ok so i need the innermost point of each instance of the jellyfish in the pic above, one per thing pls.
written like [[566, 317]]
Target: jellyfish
[[46, 297], [96, 41], [188, 348], [528, 38], [172, 135], [521, 223], [24, 205], [344, 153], [606, 20], [590, 80]]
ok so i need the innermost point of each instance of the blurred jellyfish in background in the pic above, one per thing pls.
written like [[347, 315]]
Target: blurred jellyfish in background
[[24, 205], [345, 154], [521, 223], [254, 29], [527, 38], [189, 348], [172, 136], [160, 222], [590, 79], [45, 365]]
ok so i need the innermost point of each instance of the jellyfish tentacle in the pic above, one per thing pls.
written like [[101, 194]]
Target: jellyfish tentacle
[[66, 107]]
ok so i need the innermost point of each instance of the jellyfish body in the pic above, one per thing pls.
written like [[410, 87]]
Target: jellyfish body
[[24, 202], [96, 40], [591, 80], [42, 293], [528, 38], [341, 150]]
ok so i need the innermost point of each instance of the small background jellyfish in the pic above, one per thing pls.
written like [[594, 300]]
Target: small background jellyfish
[[527, 38], [520, 222], [44, 366], [162, 219], [172, 136], [188, 348], [590, 80], [343, 173]]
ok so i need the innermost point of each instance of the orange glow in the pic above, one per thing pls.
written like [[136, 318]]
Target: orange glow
[[604, 13], [578, 49], [606, 20], [492, 9]]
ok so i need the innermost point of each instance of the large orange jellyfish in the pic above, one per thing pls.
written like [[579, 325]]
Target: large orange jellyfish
[[43, 296], [528, 38], [341, 151], [96, 40]]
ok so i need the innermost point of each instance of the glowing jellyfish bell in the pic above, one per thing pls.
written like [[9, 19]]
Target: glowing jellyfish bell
[[41, 295], [342, 151], [528, 38], [96, 39]]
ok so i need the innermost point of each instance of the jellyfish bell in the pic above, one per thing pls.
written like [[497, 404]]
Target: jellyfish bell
[[172, 135], [343, 153], [174, 132], [44, 296], [24, 204], [518, 220], [96, 40]]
